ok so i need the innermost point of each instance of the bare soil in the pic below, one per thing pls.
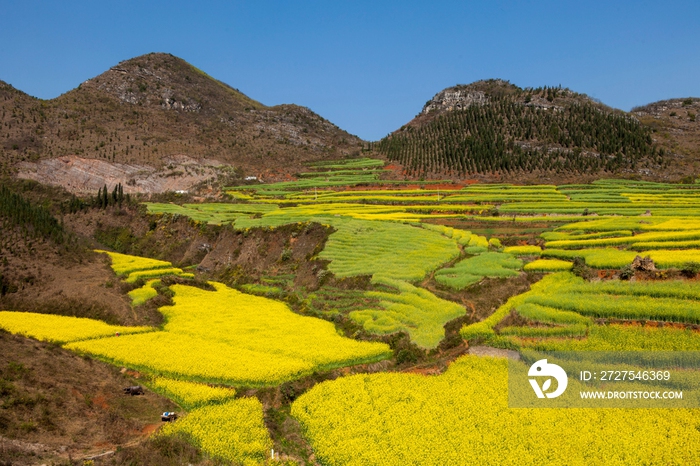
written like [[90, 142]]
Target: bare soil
[[39, 278], [56, 405]]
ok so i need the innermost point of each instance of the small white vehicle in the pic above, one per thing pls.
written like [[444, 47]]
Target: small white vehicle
[[168, 416]]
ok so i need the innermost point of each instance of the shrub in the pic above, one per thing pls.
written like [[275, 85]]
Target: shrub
[[580, 269], [690, 269], [286, 254], [626, 272]]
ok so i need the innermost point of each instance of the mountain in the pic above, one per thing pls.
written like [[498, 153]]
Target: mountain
[[156, 123], [493, 129], [156, 117]]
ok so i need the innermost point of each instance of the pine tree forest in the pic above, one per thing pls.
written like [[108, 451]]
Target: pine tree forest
[[509, 135]]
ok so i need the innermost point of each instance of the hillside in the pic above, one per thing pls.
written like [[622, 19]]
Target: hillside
[[157, 123], [675, 127], [494, 130]]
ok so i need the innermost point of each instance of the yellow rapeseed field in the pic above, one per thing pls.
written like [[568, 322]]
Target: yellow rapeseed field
[[462, 417], [233, 431], [143, 294], [135, 267], [548, 265], [61, 329], [190, 394], [230, 337], [124, 264]]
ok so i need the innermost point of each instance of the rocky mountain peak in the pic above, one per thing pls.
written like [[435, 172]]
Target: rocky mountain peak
[[161, 80]]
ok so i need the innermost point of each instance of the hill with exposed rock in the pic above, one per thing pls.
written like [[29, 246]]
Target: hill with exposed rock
[[157, 123], [675, 127]]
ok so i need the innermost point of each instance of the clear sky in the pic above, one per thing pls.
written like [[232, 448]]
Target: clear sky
[[367, 66]]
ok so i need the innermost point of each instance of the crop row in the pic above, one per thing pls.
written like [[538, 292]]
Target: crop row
[[563, 299], [364, 162], [462, 237], [601, 208], [634, 223], [373, 192], [655, 237], [551, 315], [400, 251], [623, 307], [548, 285], [610, 258], [579, 235], [523, 250], [548, 265], [618, 338], [662, 289], [556, 331]]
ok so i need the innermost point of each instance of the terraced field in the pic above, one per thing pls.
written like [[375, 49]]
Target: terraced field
[[410, 261]]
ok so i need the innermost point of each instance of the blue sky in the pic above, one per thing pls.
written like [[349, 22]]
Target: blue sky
[[367, 66]]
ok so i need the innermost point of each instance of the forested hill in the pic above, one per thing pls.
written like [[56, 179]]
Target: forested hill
[[493, 127]]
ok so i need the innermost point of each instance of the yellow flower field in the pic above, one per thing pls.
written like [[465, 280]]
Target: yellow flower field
[[233, 431], [143, 294], [230, 337], [548, 265], [61, 329], [462, 417], [189, 394], [124, 264]]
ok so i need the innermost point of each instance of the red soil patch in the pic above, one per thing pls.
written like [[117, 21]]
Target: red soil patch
[[101, 401], [605, 274], [149, 429]]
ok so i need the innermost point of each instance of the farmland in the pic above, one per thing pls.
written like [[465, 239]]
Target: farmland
[[462, 416], [203, 324], [391, 294]]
